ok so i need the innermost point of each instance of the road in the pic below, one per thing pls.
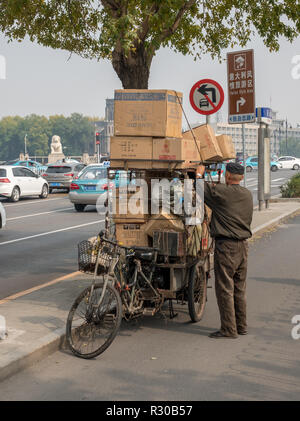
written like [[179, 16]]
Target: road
[[39, 242], [153, 359], [277, 179], [40, 239]]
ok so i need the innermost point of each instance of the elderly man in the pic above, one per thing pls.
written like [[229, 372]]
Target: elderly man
[[232, 209]]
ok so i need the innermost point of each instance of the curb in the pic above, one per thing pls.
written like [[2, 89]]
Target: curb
[[33, 353], [273, 222], [55, 341], [284, 199]]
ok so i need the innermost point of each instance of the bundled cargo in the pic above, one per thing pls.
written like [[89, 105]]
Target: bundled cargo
[[163, 221], [131, 235], [130, 147], [176, 149], [209, 146], [145, 112], [129, 205], [227, 147]]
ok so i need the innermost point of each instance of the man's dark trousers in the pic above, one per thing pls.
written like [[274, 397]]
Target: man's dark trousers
[[230, 267]]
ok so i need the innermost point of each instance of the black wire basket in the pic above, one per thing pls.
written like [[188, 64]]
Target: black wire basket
[[87, 257]]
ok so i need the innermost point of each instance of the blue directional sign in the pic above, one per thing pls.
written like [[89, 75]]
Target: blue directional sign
[[264, 115]]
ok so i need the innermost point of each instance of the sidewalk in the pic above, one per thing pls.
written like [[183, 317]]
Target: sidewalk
[[36, 321]]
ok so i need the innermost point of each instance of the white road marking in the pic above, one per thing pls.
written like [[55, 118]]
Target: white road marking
[[37, 214], [278, 179], [32, 202], [50, 232]]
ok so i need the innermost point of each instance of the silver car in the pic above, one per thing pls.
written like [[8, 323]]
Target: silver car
[[2, 216], [60, 175]]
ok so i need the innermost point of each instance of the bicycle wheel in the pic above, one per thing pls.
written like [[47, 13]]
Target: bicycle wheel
[[197, 292], [89, 333]]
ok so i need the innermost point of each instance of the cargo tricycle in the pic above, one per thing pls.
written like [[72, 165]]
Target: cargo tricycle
[[133, 281]]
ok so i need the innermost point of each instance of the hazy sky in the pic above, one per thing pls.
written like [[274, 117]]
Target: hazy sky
[[42, 81]]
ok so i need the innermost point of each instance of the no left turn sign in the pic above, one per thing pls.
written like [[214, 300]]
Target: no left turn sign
[[206, 96]]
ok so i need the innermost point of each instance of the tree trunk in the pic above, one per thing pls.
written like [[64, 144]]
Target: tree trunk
[[133, 70]]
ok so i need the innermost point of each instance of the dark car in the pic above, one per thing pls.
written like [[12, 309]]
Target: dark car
[[239, 157], [60, 176]]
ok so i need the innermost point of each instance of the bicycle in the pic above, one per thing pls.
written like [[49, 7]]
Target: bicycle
[[133, 284], [98, 308]]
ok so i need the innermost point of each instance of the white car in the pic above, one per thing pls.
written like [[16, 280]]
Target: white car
[[2, 216], [289, 162], [16, 182]]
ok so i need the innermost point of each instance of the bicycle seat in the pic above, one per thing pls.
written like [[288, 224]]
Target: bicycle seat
[[144, 253]]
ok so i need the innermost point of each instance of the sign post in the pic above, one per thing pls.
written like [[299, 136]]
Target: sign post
[[264, 118], [241, 92]]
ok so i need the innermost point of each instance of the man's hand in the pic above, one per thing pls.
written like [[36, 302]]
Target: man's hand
[[200, 170]]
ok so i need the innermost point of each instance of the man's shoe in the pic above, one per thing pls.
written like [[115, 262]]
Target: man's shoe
[[219, 335], [243, 332]]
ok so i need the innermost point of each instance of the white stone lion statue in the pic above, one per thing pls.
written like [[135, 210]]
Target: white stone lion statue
[[56, 146]]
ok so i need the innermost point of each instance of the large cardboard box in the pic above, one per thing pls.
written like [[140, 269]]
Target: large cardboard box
[[226, 145], [129, 147], [163, 221], [131, 235], [144, 112], [142, 165], [209, 147], [130, 205], [176, 149]]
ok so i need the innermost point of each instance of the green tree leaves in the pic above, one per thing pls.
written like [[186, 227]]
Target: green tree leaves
[[76, 132], [129, 32]]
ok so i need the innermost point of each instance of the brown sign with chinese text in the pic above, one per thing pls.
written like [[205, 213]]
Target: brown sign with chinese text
[[241, 86]]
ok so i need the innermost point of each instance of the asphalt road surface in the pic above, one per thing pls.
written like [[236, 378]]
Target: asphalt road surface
[[278, 178], [39, 242], [154, 359]]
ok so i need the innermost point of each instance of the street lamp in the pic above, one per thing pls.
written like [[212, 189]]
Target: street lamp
[[286, 124], [25, 144]]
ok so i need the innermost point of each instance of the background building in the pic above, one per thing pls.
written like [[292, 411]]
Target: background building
[[280, 130]]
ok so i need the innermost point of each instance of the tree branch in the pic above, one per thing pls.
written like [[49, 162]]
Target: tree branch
[[167, 32], [145, 25], [114, 7]]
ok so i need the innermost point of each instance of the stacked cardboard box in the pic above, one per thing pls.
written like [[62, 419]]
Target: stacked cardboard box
[[227, 147], [209, 147], [147, 133], [143, 112], [147, 130], [130, 205]]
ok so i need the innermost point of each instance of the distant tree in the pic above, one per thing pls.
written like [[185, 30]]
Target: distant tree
[[130, 32], [11, 140], [38, 133], [76, 132], [290, 147]]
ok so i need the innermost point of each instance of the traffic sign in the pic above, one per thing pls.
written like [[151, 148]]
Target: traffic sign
[[264, 115], [241, 89], [206, 96]]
